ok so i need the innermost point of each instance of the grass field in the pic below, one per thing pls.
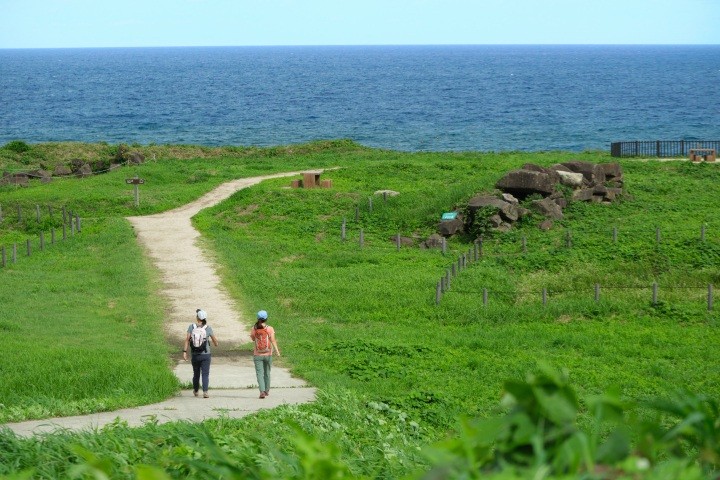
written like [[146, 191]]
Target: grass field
[[396, 372]]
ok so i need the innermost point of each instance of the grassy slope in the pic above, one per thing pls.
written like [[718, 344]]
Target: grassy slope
[[365, 318], [362, 324]]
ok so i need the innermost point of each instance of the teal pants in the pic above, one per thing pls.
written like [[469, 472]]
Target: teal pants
[[263, 365]]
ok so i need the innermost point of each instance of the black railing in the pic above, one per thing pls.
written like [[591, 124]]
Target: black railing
[[660, 148]]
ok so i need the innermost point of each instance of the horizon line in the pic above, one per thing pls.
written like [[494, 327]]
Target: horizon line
[[377, 45]]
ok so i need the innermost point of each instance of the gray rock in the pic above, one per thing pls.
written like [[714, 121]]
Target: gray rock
[[62, 171], [448, 228], [546, 224], [571, 179], [521, 183], [548, 208]]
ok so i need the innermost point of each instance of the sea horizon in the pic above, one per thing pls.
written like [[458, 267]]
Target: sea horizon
[[439, 97]]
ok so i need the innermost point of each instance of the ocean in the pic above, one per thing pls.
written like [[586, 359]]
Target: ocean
[[410, 98]]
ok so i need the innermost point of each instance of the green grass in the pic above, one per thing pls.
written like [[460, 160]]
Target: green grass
[[358, 322]]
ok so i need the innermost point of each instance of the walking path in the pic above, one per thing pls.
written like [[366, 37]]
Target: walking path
[[190, 282]]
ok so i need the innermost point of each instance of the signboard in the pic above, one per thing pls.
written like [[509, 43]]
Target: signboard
[[134, 181], [449, 215]]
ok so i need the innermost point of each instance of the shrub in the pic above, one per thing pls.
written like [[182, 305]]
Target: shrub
[[17, 146]]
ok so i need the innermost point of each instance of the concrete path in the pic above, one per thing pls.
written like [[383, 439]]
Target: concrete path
[[190, 281], [233, 394]]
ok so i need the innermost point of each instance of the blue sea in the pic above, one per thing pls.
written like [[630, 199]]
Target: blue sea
[[411, 98]]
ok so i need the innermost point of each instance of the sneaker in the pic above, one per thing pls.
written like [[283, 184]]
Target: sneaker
[[205, 395], [195, 392], [262, 395]]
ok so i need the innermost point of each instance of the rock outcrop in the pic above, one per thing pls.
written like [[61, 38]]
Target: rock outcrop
[[551, 189]]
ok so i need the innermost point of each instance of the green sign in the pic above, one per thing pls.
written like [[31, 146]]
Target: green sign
[[449, 215]]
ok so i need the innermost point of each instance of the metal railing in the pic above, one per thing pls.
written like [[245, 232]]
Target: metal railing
[[660, 148]]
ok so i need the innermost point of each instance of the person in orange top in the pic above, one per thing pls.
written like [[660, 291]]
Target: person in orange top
[[264, 337]]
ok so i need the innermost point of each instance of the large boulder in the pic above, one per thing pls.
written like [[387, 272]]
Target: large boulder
[[548, 208], [571, 179], [62, 171], [593, 173], [522, 183], [447, 228]]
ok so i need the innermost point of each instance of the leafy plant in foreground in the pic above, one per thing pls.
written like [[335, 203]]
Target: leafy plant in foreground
[[540, 436]]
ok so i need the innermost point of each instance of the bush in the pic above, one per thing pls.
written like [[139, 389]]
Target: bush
[[17, 146]]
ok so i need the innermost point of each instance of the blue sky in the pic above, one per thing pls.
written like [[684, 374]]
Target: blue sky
[[134, 23]]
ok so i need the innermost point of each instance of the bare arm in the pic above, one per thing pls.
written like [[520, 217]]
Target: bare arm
[[214, 340], [187, 344], [274, 342]]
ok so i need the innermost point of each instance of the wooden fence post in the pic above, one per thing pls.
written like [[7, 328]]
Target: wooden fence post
[[475, 250], [357, 213], [370, 204], [14, 253], [52, 235], [447, 280], [77, 223], [444, 246], [438, 293], [42, 241], [480, 246], [19, 213], [568, 238], [452, 269], [710, 296], [64, 212], [0, 213], [64, 231], [597, 292], [384, 197], [654, 293], [362, 238]]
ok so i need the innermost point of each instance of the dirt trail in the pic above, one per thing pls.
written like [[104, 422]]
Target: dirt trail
[[189, 276], [190, 282]]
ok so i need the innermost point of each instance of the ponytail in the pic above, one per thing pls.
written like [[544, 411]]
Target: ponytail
[[259, 324]]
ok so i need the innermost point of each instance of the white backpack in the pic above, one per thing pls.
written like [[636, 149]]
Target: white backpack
[[198, 339]]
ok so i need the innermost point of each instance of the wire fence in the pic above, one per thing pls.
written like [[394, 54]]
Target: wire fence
[[476, 254], [71, 224], [687, 235]]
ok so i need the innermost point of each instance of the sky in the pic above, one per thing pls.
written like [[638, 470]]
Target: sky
[[155, 23]]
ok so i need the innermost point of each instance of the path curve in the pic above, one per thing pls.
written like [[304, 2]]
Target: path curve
[[190, 281]]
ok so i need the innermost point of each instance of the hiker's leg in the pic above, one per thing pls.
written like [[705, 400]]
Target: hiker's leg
[[267, 366], [206, 372], [260, 371], [196, 372]]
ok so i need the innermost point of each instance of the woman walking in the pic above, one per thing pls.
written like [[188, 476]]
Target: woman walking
[[264, 337], [198, 339]]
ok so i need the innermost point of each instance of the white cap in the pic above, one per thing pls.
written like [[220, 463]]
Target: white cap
[[201, 315]]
